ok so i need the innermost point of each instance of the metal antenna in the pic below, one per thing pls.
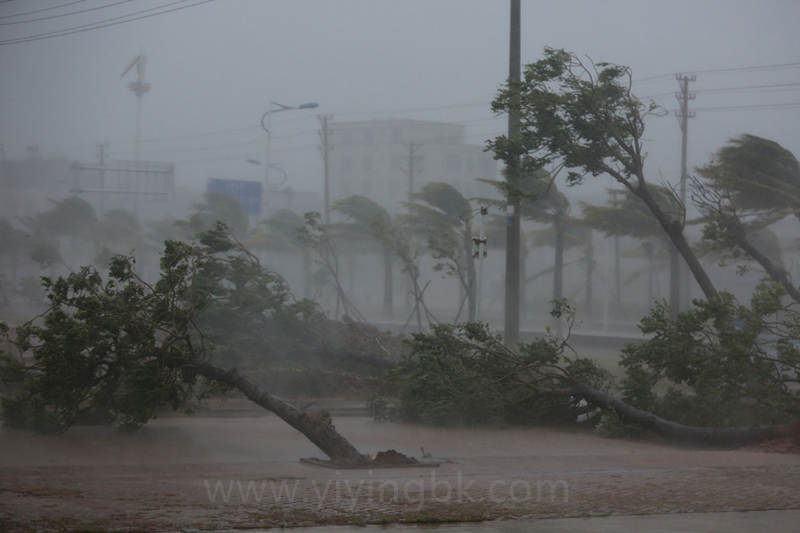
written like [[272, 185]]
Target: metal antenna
[[138, 87]]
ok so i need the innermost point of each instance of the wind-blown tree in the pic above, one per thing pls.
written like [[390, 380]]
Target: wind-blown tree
[[749, 185], [372, 221], [119, 232], [758, 174], [282, 231], [442, 216], [630, 217], [542, 202], [72, 217], [13, 245], [464, 373], [569, 234], [219, 208], [119, 348], [585, 117]]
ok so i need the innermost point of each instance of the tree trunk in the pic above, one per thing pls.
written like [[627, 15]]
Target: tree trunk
[[317, 429], [617, 280], [650, 274], [306, 274], [732, 436], [674, 282], [388, 289], [674, 231], [774, 271], [589, 256], [558, 266]]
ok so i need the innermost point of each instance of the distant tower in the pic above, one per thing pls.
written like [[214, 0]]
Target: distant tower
[[138, 87]]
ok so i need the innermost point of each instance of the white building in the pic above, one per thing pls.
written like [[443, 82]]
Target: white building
[[382, 159]]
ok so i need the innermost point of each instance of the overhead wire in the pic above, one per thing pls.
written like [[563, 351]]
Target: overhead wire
[[40, 10], [106, 23], [60, 15]]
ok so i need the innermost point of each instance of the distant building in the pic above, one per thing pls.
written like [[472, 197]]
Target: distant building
[[30, 185], [381, 158], [145, 188]]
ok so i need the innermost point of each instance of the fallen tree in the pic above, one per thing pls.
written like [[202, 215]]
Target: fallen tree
[[119, 349], [465, 374]]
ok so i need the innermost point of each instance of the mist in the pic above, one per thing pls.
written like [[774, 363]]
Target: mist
[[341, 287]]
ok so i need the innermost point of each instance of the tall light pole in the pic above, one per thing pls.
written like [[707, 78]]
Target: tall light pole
[[139, 88], [275, 107]]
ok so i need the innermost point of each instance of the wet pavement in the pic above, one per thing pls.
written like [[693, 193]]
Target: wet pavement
[[733, 522], [244, 472]]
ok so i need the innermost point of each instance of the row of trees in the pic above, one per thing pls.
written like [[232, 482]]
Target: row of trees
[[125, 347]]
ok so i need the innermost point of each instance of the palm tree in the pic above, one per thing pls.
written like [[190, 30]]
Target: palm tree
[[628, 216], [281, 232], [72, 217], [758, 175], [750, 184], [442, 216], [222, 208], [119, 231], [372, 221], [542, 202]]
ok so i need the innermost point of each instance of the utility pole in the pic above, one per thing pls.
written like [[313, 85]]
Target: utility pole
[[101, 162], [683, 115], [324, 136], [512, 293]]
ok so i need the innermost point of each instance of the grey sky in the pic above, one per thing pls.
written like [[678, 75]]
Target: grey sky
[[216, 66]]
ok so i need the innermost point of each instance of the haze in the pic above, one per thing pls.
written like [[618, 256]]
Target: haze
[[216, 67]]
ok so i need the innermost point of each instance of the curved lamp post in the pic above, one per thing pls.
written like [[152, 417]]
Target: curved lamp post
[[275, 107]]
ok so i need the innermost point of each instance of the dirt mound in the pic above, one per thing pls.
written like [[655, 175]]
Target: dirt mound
[[393, 457]]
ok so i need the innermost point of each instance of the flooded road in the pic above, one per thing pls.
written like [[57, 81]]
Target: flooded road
[[244, 472]]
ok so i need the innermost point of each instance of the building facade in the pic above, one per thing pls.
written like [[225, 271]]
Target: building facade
[[385, 159]]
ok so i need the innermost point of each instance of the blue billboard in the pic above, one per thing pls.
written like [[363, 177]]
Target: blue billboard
[[248, 193]]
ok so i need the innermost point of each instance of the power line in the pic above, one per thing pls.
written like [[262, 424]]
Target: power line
[[748, 106], [104, 24], [784, 86], [750, 68], [49, 17], [40, 10]]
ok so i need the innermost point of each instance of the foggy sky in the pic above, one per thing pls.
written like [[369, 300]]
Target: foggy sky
[[216, 67]]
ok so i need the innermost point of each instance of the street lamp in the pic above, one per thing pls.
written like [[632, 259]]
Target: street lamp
[[275, 107]]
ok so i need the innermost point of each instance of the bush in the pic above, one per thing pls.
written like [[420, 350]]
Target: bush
[[462, 374], [719, 363]]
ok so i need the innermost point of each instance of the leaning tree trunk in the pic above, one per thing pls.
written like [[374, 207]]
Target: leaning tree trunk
[[774, 271], [674, 282], [589, 256], [388, 289], [674, 231], [318, 430], [731, 436]]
